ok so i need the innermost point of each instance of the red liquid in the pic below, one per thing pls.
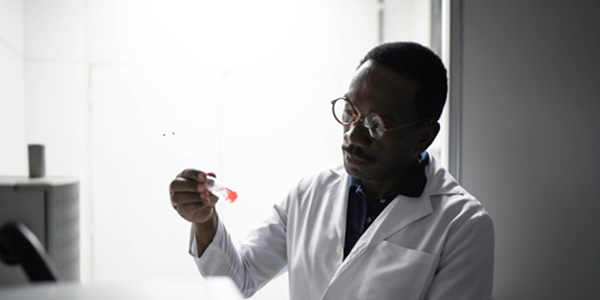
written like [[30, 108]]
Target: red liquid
[[230, 195]]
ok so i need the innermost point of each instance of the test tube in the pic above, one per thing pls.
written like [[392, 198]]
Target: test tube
[[220, 189]]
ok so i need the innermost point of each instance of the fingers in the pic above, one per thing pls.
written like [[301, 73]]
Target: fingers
[[192, 174], [181, 198], [204, 198], [190, 196], [185, 185], [178, 199], [197, 210], [195, 213]]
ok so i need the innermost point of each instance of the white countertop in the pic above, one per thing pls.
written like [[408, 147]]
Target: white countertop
[[213, 288]]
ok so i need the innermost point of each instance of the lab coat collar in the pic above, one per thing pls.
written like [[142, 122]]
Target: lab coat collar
[[401, 212], [439, 180], [337, 195], [412, 185]]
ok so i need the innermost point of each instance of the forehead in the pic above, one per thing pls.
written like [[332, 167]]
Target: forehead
[[376, 88]]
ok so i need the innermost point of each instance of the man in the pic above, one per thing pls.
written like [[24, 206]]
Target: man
[[391, 223]]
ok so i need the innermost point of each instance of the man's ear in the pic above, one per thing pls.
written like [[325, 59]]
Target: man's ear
[[427, 136]]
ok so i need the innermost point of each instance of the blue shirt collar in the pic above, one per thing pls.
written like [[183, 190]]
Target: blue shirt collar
[[411, 186]]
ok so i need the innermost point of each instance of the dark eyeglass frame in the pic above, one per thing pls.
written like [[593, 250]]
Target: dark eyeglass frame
[[356, 117]]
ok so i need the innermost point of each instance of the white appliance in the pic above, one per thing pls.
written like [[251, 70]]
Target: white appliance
[[49, 207]]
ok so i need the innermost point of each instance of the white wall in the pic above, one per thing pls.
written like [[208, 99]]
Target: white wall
[[245, 87], [530, 140], [410, 20], [56, 87], [407, 20], [13, 146]]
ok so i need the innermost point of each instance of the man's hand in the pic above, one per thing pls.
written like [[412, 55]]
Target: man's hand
[[190, 197]]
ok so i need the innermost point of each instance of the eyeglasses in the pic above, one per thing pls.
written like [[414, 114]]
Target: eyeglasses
[[345, 113]]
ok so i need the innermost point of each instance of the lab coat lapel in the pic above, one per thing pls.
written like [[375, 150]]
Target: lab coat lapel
[[397, 215], [401, 212], [337, 196]]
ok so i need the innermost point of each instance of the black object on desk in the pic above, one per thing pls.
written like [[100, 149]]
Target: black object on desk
[[49, 207], [19, 246]]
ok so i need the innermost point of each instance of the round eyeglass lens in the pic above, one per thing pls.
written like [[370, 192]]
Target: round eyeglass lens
[[375, 124], [343, 112]]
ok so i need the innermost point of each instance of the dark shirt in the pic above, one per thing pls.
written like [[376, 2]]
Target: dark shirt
[[361, 213]]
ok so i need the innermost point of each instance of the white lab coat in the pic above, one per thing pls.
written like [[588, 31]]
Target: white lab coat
[[438, 246]]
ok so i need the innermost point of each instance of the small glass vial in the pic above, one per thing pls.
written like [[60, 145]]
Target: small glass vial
[[220, 189]]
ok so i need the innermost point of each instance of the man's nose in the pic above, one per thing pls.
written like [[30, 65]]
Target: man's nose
[[357, 134]]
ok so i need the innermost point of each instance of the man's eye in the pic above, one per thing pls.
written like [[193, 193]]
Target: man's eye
[[374, 122], [376, 125], [347, 116]]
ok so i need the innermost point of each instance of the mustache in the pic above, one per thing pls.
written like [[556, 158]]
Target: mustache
[[357, 152]]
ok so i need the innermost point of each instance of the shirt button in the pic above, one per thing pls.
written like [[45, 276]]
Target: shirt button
[[382, 200], [340, 251], [369, 220]]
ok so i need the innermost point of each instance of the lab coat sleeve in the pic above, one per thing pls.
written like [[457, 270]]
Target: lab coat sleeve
[[466, 264], [252, 263]]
